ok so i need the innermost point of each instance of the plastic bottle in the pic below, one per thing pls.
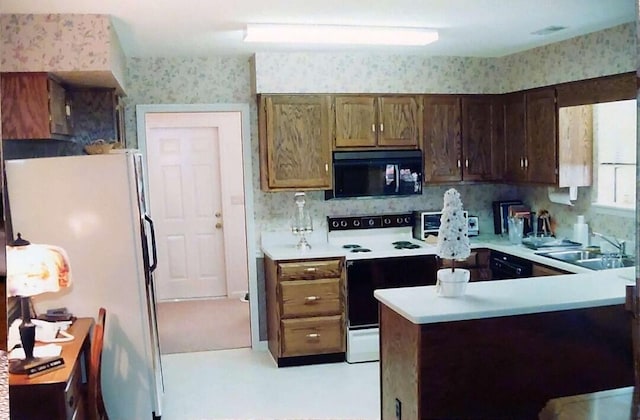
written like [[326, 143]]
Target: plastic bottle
[[581, 231]]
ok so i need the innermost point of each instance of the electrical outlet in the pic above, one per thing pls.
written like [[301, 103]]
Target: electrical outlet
[[398, 410]]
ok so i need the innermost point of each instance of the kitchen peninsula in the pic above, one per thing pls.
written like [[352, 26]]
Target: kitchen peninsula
[[505, 348]]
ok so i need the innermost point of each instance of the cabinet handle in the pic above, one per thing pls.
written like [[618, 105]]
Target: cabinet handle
[[311, 299], [311, 269], [458, 163], [526, 163], [326, 167], [466, 163], [521, 162], [381, 127], [373, 128], [313, 336], [67, 110]]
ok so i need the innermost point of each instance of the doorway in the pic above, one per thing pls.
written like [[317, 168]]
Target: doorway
[[198, 173]]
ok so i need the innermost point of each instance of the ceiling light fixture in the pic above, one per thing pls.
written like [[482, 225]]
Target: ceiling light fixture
[[332, 34]]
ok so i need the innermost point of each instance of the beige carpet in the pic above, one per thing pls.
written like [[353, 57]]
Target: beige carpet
[[201, 325]]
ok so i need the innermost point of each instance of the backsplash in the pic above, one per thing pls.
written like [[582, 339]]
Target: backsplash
[[476, 199], [621, 227]]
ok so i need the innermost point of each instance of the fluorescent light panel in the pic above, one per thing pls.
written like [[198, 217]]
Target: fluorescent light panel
[[332, 34]]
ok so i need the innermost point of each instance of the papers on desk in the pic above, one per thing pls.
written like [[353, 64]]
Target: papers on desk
[[48, 350]]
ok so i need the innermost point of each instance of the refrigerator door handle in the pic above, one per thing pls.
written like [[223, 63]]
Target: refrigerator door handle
[[154, 253]]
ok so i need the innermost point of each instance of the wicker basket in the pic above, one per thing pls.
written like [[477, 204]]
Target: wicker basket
[[98, 147]]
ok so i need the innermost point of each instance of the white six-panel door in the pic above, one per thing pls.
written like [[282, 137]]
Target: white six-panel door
[[191, 204]]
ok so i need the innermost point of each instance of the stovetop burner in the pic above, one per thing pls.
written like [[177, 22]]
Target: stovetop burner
[[404, 245], [351, 246], [360, 250]]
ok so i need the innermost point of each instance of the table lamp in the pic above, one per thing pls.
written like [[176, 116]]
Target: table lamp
[[33, 269]]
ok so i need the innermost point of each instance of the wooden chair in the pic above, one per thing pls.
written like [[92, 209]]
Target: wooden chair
[[95, 403]]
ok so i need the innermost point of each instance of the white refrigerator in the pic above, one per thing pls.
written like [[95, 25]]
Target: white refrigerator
[[94, 206]]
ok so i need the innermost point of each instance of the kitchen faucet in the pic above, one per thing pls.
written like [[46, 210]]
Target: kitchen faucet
[[620, 245]]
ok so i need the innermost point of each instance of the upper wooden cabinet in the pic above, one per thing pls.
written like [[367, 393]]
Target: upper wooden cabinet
[[545, 144], [295, 142], [442, 146], [34, 106], [377, 121], [461, 138], [541, 159], [531, 137], [515, 139], [482, 149]]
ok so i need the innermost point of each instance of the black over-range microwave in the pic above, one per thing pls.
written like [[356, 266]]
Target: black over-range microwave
[[376, 173]]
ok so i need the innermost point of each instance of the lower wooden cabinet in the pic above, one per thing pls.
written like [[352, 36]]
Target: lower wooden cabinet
[[538, 270], [477, 263], [306, 321]]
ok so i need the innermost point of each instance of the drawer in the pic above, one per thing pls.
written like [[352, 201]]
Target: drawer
[[73, 396], [314, 269], [310, 297], [306, 336]]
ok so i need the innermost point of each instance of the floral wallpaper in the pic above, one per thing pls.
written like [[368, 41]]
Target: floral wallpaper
[[55, 42], [611, 51], [379, 73]]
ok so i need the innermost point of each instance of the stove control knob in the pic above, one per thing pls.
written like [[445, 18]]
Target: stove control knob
[[399, 220], [356, 223], [343, 223], [407, 219], [335, 224], [371, 222], [387, 221]]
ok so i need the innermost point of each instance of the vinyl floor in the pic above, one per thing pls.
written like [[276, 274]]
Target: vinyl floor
[[246, 384]]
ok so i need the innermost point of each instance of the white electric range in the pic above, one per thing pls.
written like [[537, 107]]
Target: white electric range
[[380, 252]]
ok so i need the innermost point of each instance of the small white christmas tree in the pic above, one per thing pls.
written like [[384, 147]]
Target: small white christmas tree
[[453, 238]]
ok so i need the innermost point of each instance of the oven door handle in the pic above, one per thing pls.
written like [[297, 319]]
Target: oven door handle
[[397, 170], [506, 266]]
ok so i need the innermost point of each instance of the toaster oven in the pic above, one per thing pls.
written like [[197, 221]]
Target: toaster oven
[[428, 223]]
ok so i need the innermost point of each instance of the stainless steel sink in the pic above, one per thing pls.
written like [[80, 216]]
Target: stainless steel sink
[[592, 260]]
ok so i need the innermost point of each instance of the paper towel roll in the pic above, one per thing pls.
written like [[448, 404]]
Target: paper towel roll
[[562, 196], [581, 233]]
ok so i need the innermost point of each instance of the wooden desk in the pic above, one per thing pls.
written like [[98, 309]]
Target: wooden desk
[[61, 393]]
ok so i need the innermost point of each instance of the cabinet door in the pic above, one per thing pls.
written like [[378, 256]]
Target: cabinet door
[[398, 121], [295, 142], [442, 138], [541, 163], [59, 109], [355, 121], [25, 106], [478, 138], [514, 137]]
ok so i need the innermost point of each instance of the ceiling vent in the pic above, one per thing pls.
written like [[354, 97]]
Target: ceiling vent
[[549, 30]]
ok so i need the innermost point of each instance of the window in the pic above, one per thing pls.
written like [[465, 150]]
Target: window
[[614, 131]]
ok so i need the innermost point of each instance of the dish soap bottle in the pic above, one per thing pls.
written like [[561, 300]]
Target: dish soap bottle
[[581, 231]]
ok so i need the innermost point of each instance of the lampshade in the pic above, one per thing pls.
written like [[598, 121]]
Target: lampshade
[[33, 269]]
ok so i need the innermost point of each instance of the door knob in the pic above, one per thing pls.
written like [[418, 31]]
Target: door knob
[[218, 225]]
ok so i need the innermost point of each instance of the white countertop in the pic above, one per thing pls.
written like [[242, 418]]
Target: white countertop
[[486, 299]]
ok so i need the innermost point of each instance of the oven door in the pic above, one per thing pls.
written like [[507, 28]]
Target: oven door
[[365, 276]]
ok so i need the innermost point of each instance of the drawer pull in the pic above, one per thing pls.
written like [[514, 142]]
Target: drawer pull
[[313, 336], [71, 401], [311, 269], [311, 299]]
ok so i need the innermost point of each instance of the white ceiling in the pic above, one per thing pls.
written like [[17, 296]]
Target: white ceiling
[[482, 28]]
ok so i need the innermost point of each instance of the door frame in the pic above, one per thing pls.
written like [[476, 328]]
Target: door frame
[[143, 109]]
